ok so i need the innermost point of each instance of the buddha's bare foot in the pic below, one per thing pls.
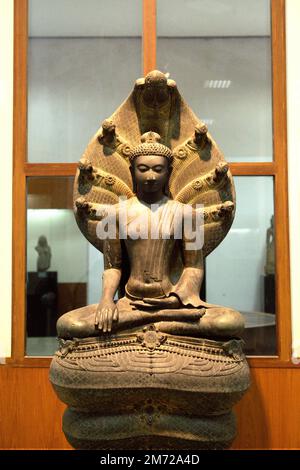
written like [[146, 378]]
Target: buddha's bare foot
[[216, 323], [79, 323]]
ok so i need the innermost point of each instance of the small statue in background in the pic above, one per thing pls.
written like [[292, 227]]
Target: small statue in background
[[270, 248], [44, 252]]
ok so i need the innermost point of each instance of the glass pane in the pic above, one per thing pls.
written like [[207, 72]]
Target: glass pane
[[63, 269], [83, 59], [240, 273], [219, 53]]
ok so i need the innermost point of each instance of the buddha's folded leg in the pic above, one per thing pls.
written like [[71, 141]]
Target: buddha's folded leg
[[130, 317], [140, 317], [215, 323], [211, 322], [79, 323]]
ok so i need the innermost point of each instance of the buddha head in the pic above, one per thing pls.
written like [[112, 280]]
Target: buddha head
[[151, 166]]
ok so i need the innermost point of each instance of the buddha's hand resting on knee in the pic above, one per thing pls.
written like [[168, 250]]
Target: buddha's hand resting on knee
[[157, 304], [106, 314]]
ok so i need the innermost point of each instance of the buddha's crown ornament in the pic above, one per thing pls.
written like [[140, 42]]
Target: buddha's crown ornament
[[150, 145]]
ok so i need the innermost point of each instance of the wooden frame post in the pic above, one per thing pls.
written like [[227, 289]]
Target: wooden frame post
[[149, 35]]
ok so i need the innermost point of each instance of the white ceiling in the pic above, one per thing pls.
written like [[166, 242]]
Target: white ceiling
[[179, 18]]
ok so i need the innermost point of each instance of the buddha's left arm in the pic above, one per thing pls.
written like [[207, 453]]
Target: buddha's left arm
[[189, 284]]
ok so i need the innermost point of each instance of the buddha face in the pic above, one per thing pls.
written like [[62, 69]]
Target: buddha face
[[151, 173]]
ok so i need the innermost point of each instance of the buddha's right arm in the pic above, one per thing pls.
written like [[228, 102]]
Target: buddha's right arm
[[112, 268], [110, 283], [107, 311]]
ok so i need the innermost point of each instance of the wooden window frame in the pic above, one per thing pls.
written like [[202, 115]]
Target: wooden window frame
[[278, 169]]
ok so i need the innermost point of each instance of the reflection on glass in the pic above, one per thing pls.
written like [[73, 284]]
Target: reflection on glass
[[222, 49], [63, 269], [83, 59], [269, 296], [241, 272]]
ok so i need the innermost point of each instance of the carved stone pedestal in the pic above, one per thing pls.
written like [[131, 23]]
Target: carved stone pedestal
[[149, 391]]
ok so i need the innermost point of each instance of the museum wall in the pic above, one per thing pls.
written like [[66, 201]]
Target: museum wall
[[6, 141]]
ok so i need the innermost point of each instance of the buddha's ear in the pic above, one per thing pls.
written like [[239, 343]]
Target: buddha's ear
[[166, 188], [131, 169], [170, 169]]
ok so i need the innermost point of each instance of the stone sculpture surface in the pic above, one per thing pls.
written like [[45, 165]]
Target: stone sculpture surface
[[155, 195]]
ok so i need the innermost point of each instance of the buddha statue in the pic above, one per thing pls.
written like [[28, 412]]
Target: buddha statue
[[150, 295], [154, 194]]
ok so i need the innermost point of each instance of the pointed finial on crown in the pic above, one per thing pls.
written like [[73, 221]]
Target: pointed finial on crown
[[150, 137]]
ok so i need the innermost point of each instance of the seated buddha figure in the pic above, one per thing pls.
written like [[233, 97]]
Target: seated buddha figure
[[155, 235]]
